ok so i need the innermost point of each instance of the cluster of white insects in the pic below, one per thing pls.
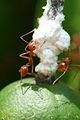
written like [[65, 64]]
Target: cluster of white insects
[[48, 41]]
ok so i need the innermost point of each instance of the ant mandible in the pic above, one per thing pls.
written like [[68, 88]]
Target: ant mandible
[[31, 46]]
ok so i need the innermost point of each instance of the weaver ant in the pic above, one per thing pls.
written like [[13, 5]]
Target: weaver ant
[[65, 63], [63, 67], [31, 46], [29, 50]]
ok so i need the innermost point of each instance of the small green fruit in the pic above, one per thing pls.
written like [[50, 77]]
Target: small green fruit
[[38, 102]]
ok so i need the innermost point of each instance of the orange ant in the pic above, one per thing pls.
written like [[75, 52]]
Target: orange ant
[[31, 46], [63, 67], [24, 70]]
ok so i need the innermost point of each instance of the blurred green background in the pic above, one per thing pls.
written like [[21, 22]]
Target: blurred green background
[[19, 17], [16, 18]]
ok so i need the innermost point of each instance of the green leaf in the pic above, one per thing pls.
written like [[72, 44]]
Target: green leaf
[[28, 101]]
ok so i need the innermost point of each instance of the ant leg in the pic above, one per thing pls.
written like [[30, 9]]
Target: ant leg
[[33, 73], [20, 71], [60, 76], [30, 73], [23, 55], [21, 37], [32, 68], [30, 59], [21, 80], [75, 66]]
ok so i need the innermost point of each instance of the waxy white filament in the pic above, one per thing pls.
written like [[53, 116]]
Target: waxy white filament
[[53, 39]]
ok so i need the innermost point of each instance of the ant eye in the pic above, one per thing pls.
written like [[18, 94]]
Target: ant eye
[[34, 47]]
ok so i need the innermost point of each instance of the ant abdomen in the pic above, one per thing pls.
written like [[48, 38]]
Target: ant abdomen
[[24, 70]]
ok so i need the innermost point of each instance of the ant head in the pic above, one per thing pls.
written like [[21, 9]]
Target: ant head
[[32, 45]]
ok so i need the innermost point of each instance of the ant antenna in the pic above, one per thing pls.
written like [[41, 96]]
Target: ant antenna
[[60, 76], [21, 37]]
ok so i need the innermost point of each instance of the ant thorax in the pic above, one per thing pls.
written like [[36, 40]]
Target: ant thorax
[[52, 39]]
